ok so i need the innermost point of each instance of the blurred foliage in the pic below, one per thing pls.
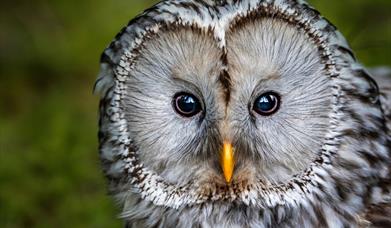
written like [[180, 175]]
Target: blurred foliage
[[50, 174]]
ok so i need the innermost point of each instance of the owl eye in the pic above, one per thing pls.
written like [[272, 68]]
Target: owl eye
[[186, 104], [267, 104]]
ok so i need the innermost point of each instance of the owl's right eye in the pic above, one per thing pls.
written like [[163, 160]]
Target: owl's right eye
[[186, 104]]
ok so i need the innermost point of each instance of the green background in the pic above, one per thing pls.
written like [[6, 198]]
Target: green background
[[50, 174]]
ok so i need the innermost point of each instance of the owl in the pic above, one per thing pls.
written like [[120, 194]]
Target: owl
[[243, 113]]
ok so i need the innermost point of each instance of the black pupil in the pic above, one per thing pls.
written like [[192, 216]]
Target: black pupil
[[266, 104], [187, 105]]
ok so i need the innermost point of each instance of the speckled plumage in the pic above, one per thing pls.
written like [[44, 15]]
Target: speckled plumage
[[324, 162]]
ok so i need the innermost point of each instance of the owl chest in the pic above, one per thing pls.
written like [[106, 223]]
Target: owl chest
[[231, 215]]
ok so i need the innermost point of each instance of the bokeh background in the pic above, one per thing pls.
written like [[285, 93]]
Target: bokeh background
[[50, 174]]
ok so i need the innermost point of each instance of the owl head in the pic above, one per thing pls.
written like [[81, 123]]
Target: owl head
[[254, 103]]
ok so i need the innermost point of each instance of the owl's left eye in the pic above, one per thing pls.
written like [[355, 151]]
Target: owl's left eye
[[186, 104], [267, 104]]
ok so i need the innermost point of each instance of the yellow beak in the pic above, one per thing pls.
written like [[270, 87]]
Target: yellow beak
[[227, 161]]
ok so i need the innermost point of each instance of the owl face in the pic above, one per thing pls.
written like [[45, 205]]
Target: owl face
[[249, 103], [266, 93]]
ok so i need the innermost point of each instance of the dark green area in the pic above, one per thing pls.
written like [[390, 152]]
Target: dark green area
[[49, 50]]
